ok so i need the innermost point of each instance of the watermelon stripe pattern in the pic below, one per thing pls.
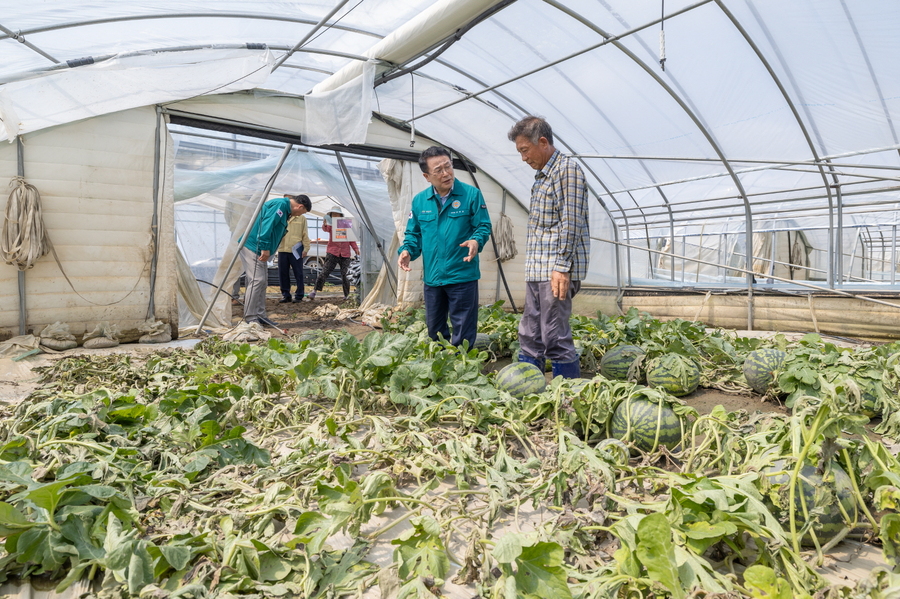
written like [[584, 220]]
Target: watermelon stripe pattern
[[647, 424], [617, 362], [675, 373], [760, 366], [520, 379], [829, 520]]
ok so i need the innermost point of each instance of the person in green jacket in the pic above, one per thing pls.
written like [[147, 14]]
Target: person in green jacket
[[448, 226], [262, 241]]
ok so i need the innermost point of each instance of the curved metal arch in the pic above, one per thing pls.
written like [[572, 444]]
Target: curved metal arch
[[795, 112], [95, 59], [186, 15], [592, 26], [865, 55], [709, 138]]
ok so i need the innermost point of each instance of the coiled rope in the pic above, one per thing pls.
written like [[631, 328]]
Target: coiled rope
[[24, 239], [506, 241]]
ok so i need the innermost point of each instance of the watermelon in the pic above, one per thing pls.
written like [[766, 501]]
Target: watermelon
[[617, 362], [675, 373], [646, 423], [869, 390], [821, 495], [760, 366], [482, 341], [520, 379]]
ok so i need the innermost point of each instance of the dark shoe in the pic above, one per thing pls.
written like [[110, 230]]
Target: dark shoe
[[539, 362], [567, 370], [285, 300], [298, 299]]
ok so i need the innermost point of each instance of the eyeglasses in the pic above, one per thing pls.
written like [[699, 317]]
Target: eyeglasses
[[444, 168]]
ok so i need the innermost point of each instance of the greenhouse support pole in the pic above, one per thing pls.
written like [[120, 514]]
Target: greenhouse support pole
[[154, 222], [20, 165], [512, 302], [362, 212], [499, 281], [839, 236], [893, 254], [250, 223]]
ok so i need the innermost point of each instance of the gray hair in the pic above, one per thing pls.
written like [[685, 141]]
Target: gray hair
[[533, 128]]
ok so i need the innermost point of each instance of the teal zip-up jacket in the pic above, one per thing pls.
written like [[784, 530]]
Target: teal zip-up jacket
[[435, 232], [270, 225]]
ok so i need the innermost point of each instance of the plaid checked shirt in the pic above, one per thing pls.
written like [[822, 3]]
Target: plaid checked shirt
[[558, 234]]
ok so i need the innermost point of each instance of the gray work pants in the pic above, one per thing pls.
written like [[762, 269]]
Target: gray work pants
[[544, 331], [257, 278]]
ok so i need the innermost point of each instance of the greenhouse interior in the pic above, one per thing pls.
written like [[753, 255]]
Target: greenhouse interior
[[733, 430]]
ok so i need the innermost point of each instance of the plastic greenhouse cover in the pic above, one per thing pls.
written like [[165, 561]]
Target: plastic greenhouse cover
[[747, 84]]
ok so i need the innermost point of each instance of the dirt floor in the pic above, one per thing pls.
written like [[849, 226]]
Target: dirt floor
[[298, 317]]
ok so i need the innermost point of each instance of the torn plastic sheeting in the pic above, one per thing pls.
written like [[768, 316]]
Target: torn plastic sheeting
[[342, 115]]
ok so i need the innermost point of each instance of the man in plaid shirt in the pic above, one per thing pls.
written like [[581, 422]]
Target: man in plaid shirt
[[556, 249]]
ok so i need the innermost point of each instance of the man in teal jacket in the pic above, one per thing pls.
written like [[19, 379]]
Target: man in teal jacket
[[262, 242], [448, 226]]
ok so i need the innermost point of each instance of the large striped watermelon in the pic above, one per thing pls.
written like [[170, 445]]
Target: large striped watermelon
[[617, 362], [821, 495], [646, 423], [520, 379], [760, 366], [677, 374]]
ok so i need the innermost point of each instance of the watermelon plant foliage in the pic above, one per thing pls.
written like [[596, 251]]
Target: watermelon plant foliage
[[277, 469]]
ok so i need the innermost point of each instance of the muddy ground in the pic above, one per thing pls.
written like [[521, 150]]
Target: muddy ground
[[298, 317]]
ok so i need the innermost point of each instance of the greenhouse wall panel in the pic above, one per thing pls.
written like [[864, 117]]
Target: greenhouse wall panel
[[96, 180]]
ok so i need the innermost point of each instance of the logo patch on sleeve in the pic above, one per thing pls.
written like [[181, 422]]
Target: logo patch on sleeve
[[484, 206], [279, 212]]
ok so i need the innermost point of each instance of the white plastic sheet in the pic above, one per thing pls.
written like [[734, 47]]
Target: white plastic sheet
[[342, 115], [120, 83]]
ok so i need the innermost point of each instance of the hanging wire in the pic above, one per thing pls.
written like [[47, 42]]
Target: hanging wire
[[662, 37]]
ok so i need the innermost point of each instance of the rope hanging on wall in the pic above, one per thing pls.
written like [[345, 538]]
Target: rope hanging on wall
[[506, 241], [24, 239]]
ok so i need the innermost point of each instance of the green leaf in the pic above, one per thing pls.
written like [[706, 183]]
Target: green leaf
[[140, 568], [657, 552], [889, 533], [273, 568], [508, 548], [540, 573], [177, 556], [43, 547], [12, 520], [420, 551], [762, 583], [48, 496], [313, 529]]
